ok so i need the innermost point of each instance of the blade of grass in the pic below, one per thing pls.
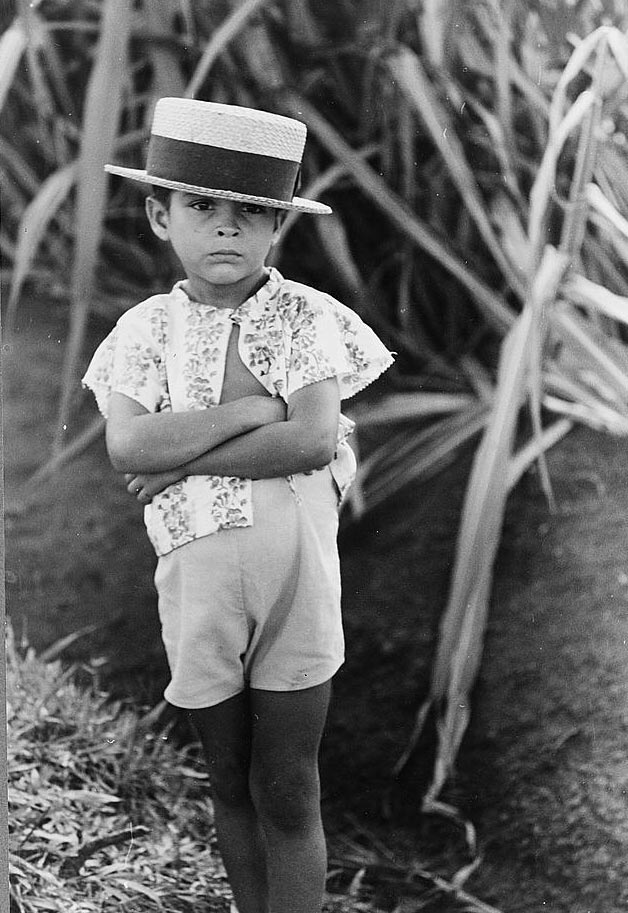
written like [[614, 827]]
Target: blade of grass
[[543, 188], [574, 225], [232, 25], [12, 47], [590, 295], [33, 226], [400, 407], [44, 104], [408, 459], [22, 172], [435, 20], [594, 350], [535, 448], [575, 65], [489, 302], [104, 93], [412, 80], [31, 490], [323, 182], [592, 413], [158, 17], [547, 281], [602, 204], [462, 627], [334, 241], [501, 147], [463, 623], [500, 37]]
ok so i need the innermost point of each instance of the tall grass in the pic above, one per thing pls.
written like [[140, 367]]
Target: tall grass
[[476, 159]]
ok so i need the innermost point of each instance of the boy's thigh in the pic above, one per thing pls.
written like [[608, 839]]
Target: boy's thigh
[[272, 724], [287, 726], [224, 731]]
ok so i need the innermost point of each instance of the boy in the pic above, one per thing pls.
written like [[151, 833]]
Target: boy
[[222, 406]]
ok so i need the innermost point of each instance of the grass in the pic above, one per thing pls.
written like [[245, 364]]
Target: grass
[[107, 810]]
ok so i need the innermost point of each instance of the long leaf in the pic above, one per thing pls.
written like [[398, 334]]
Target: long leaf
[[603, 205], [435, 20], [335, 242], [417, 89], [400, 407], [575, 65], [33, 226], [574, 225], [535, 448], [546, 284], [102, 115], [462, 626], [159, 18], [12, 46], [543, 188], [232, 25], [594, 350], [490, 303], [591, 295], [421, 458]]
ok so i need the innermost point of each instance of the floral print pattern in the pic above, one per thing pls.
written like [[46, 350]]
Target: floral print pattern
[[169, 353]]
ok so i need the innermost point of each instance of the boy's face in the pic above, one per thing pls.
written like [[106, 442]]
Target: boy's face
[[222, 244]]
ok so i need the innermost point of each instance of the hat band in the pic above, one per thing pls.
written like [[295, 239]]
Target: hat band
[[217, 168]]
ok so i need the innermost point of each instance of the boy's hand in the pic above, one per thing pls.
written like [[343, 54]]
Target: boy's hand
[[145, 485]]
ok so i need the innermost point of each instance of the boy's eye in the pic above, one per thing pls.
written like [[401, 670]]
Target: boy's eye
[[202, 205], [253, 209]]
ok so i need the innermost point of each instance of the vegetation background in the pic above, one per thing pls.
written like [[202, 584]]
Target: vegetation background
[[475, 157]]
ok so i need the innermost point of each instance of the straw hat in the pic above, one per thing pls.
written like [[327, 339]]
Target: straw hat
[[225, 151]]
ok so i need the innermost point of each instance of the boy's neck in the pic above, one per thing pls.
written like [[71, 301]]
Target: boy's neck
[[226, 297]]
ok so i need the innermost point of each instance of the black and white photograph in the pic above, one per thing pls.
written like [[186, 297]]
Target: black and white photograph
[[336, 293]]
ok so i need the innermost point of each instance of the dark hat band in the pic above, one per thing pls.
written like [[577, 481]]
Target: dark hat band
[[200, 165]]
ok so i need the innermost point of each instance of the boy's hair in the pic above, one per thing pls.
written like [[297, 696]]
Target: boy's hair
[[161, 194]]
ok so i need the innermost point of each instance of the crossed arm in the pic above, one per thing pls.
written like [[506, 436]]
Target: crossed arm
[[255, 437]]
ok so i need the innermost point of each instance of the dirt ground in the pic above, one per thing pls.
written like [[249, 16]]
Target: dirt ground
[[543, 772]]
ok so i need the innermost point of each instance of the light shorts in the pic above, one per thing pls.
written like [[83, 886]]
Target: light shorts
[[258, 606]]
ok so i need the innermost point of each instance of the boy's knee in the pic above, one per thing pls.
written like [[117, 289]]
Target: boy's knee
[[229, 781], [286, 800]]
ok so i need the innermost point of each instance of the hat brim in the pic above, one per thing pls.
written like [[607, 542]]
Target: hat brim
[[297, 204]]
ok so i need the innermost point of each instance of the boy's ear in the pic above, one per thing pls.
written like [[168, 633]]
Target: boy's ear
[[280, 218], [157, 215]]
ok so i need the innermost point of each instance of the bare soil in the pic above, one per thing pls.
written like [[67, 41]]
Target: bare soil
[[543, 771]]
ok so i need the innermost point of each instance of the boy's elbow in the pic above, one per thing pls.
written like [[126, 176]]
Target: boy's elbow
[[118, 451], [323, 450], [328, 452], [118, 460]]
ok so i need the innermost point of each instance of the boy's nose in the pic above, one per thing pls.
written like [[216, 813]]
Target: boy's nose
[[226, 220], [226, 230]]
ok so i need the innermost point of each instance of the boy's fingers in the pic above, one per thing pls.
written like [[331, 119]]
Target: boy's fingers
[[134, 485]]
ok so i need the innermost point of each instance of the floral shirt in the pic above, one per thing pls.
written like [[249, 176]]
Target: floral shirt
[[169, 352]]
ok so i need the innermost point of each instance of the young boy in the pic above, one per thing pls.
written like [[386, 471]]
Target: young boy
[[222, 406]]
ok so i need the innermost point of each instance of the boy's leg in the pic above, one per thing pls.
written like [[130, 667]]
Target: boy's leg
[[287, 729], [225, 734]]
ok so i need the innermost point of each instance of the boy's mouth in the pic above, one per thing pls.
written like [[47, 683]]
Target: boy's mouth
[[227, 252]]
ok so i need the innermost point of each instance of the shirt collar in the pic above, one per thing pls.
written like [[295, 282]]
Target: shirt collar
[[256, 302]]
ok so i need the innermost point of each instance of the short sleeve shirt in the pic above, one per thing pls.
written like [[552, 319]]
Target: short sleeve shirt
[[168, 353]]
